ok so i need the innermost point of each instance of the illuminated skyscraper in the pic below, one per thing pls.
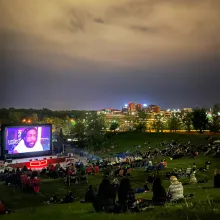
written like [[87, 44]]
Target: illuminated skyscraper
[[138, 107], [153, 109], [131, 107], [124, 109]]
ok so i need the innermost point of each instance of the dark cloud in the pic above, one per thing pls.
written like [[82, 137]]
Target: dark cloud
[[99, 20], [165, 30], [141, 28], [77, 55]]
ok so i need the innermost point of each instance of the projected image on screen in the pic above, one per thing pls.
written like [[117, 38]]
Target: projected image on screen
[[27, 139]]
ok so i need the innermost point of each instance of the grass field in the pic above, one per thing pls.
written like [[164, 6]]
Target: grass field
[[128, 141], [203, 206]]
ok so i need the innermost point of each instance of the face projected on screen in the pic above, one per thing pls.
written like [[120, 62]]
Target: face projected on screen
[[29, 142], [30, 137]]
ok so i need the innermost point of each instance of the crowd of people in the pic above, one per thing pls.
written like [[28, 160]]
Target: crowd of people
[[113, 185], [105, 199], [24, 178]]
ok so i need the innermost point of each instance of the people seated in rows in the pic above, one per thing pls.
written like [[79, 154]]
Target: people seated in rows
[[175, 190], [24, 169], [89, 170], [57, 166], [176, 172], [69, 198], [123, 171], [217, 179], [156, 166], [105, 199]]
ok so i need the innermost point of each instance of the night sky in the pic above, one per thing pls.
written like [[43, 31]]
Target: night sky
[[93, 54]]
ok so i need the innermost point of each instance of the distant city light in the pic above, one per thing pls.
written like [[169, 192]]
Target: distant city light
[[168, 110], [145, 105], [126, 105]]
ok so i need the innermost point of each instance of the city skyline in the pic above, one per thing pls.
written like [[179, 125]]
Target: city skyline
[[90, 55]]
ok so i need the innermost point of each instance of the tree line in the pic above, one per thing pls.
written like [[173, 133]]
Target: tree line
[[90, 126], [199, 119]]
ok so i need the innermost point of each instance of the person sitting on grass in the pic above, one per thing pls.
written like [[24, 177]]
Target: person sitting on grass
[[126, 195], [90, 195], [207, 165], [53, 199], [175, 172], [175, 190], [165, 163], [188, 171], [161, 165], [217, 179], [68, 198], [150, 166], [193, 179], [180, 173], [144, 189], [159, 193], [150, 179], [194, 167], [104, 200], [115, 183], [3, 209]]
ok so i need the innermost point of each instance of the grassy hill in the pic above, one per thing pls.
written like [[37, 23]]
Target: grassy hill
[[205, 205], [127, 141]]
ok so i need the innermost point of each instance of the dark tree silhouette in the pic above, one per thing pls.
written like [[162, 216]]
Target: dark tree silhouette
[[200, 120], [187, 120], [114, 126]]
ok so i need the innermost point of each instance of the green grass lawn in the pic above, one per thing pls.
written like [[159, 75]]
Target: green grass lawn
[[203, 206], [127, 141]]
